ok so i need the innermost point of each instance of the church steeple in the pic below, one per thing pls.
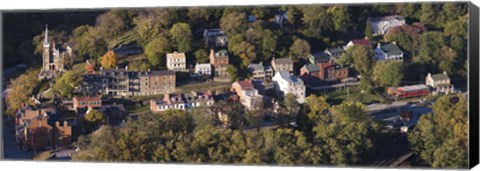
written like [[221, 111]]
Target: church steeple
[[45, 42]]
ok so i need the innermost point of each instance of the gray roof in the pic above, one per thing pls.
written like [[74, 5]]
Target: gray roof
[[442, 76], [162, 72], [221, 53], [312, 68], [254, 66], [386, 18], [414, 87], [391, 49], [290, 78], [283, 61], [335, 50]]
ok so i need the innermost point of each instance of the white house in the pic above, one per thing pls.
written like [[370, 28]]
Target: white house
[[176, 61], [439, 82], [285, 83], [389, 52], [203, 69], [380, 25]]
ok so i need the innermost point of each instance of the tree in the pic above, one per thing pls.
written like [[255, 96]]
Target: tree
[[340, 17], [66, 84], [234, 23], [299, 49], [364, 60], [427, 13], [182, 35], [447, 62], [202, 56], [109, 60], [441, 138], [21, 89], [95, 117], [156, 51], [316, 20], [232, 72], [110, 25], [318, 109], [405, 9], [255, 118], [368, 31], [388, 73], [269, 43], [88, 42], [348, 136]]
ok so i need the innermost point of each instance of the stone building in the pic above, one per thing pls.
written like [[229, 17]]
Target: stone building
[[54, 54], [176, 61]]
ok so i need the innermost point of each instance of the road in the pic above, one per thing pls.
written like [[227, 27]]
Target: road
[[12, 150]]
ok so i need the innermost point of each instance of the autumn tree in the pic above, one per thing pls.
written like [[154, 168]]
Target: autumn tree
[[388, 73], [441, 138], [109, 60], [21, 89], [65, 85], [182, 36]]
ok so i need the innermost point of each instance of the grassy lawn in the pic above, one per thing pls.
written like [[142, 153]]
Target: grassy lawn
[[132, 58], [124, 39], [79, 68], [136, 109], [338, 97]]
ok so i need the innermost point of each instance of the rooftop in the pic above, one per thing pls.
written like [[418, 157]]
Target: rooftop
[[290, 78], [335, 50], [245, 84], [257, 66], [312, 68], [363, 42], [162, 72], [88, 98], [391, 49], [413, 87], [386, 18], [441, 76], [175, 55], [283, 61]]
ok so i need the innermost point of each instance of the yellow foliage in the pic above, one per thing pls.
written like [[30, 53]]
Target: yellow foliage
[[109, 60]]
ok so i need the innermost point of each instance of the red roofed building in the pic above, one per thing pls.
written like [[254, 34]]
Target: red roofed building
[[249, 96], [409, 91], [331, 72], [359, 42]]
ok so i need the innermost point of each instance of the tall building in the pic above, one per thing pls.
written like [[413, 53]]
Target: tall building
[[53, 58]]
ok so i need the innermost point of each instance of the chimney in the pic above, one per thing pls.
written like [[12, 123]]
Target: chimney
[[378, 45], [166, 97], [116, 68], [101, 68], [394, 42], [65, 123], [126, 67], [366, 38], [429, 75], [444, 72], [57, 124]]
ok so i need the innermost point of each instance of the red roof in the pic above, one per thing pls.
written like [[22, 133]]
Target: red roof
[[364, 42], [245, 84]]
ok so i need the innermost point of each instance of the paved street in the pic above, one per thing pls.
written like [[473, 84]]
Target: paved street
[[12, 151]]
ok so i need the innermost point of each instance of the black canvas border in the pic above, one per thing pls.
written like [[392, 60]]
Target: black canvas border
[[473, 44]]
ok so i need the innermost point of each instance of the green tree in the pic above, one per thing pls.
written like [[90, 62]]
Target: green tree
[[299, 49], [340, 17], [441, 138], [182, 35], [232, 73], [364, 60], [255, 118], [427, 13], [368, 31], [318, 109], [388, 73], [269, 43], [202, 56], [156, 50], [234, 23], [348, 136], [405, 9], [88, 42], [316, 20], [95, 117], [66, 84], [447, 63]]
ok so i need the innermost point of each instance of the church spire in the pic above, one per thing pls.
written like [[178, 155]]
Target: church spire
[[45, 42]]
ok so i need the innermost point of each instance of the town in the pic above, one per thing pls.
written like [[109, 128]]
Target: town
[[222, 84]]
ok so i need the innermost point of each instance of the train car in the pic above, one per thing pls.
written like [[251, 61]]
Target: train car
[[409, 91]]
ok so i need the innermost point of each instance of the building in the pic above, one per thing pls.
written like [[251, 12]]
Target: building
[[169, 101], [408, 91], [335, 52], [260, 72], [215, 38], [160, 82], [285, 83], [197, 99], [359, 42], [114, 114], [86, 102], [53, 58], [319, 57], [203, 69], [389, 52], [34, 131], [62, 135], [177, 61], [282, 64], [440, 83], [219, 60], [380, 25], [120, 82], [332, 72], [310, 73], [249, 96]]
